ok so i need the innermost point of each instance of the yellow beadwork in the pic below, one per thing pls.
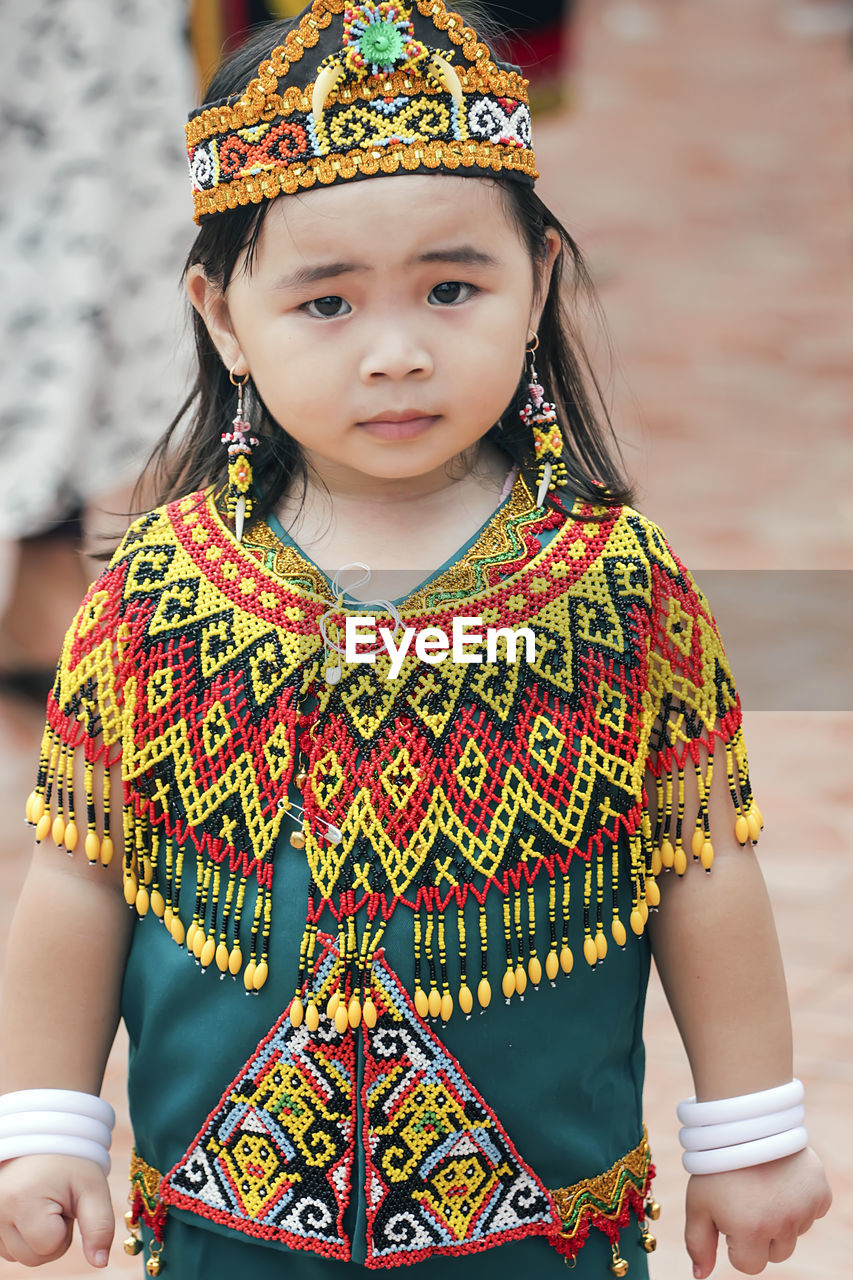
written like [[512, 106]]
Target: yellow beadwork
[[600, 828]]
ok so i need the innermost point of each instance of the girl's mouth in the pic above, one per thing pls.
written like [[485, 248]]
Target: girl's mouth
[[399, 426]]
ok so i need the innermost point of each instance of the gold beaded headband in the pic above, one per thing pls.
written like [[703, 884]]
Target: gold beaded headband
[[355, 90]]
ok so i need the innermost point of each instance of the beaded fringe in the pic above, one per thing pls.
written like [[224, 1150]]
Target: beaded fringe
[[219, 928]]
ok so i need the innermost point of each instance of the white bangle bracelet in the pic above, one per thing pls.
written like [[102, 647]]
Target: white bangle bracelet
[[710, 1136], [44, 1144], [67, 1100], [55, 1122], [694, 1114], [746, 1154]]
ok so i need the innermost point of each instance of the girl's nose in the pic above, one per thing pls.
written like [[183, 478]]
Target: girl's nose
[[396, 354]]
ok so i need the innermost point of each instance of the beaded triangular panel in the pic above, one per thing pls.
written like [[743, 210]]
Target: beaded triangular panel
[[274, 1158], [443, 1176]]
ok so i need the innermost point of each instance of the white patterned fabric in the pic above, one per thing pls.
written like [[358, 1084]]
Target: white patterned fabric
[[95, 223]]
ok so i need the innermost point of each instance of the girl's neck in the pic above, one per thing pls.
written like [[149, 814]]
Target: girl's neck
[[408, 534], [351, 497]]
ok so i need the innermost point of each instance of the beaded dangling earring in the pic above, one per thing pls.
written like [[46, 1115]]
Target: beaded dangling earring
[[541, 416], [238, 500]]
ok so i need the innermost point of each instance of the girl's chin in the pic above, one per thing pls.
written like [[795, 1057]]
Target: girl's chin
[[382, 462]]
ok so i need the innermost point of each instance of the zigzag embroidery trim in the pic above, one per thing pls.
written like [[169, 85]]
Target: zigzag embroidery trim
[[605, 1201]]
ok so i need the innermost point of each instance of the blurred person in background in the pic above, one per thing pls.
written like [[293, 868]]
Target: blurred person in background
[[92, 235]]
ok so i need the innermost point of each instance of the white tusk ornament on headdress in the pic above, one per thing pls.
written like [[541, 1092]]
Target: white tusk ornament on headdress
[[447, 76], [326, 83]]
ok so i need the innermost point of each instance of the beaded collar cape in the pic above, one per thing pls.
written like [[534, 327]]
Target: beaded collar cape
[[199, 663]]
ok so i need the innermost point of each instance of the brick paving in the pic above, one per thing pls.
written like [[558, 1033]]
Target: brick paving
[[706, 170]]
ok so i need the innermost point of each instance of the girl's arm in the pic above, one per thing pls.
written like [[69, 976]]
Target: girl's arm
[[58, 1016], [716, 949]]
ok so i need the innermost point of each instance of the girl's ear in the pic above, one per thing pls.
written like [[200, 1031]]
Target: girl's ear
[[209, 301], [553, 249]]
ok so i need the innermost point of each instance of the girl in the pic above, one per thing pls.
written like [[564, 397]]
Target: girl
[[384, 972]]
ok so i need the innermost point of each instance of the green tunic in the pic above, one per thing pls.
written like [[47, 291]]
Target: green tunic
[[562, 1068], [473, 1135]]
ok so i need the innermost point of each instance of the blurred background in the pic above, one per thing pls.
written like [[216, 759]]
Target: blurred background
[[700, 152]]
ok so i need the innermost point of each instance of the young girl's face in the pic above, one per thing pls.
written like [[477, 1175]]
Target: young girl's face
[[384, 322]]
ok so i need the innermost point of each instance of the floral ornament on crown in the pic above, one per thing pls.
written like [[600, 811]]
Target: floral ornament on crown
[[379, 38]]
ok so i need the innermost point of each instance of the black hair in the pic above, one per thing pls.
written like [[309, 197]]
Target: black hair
[[190, 455]]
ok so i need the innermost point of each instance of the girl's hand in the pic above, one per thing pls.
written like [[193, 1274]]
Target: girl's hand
[[40, 1196], [761, 1212]]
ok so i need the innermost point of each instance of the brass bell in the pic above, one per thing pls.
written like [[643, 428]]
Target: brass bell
[[618, 1266], [648, 1241], [154, 1266], [297, 840], [301, 778], [132, 1246], [131, 1221], [653, 1210]]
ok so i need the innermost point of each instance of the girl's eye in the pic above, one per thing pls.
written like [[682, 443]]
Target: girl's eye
[[451, 292], [328, 308]]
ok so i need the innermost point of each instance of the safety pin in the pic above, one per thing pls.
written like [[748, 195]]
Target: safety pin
[[334, 833]]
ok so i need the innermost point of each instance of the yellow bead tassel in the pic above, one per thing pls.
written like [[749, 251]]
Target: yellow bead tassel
[[158, 902], [297, 1009], [445, 1008], [70, 834], [44, 823], [590, 951], [508, 984], [92, 846], [667, 849], [434, 998], [235, 958], [421, 997], [567, 960], [312, 1008], [484, 990], [129, 870], [207, 950], [249, 971], [107, 845], [617, 928], [466, 999], [600, 939], [200, 936], [262, 970], [176, 924], [534, 967], [520, 971], [223, 951], [552, 960], [57, 830]]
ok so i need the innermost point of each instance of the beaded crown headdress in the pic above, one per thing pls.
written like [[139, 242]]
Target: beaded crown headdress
[[356, 90]]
